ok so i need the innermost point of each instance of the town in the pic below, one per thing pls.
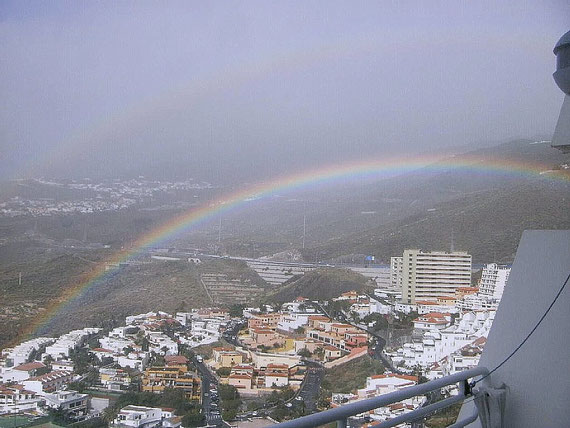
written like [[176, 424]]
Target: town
[[425, 316], [88, 196]]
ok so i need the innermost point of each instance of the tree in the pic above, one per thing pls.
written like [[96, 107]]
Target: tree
[[48, 359], [228, 392], [236, 311], [193, 418], [319, 353], [229, 414], [300, 330], [58, 416], [94, 342], [305, 353], [224, 371]]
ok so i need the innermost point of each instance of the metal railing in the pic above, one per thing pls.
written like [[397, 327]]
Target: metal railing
[[341, 414]]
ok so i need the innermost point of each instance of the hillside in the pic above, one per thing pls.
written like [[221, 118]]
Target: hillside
[[488, 224], [320, 284], [169, 286], [49, 273]]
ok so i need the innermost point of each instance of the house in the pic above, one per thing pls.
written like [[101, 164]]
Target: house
[[114, 379], [276, 375], [157, 379], [21, 372], [22, 352], [73, 404], [264, 337], [349, 295], [241, 381], [16, 399], [134, 360], [309, 344], [138, 416], [446, 300], [386, 383], [332, 353], [269, 321], [176, 360], [226, 357], [427, 306], [49, 382], [63, 365], [431, 321], [241, 376]]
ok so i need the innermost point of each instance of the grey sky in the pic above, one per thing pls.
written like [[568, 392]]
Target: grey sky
[[101, 86]]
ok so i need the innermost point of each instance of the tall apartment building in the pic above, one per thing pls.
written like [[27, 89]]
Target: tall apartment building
[[396, 272], [429, 275], [493, 280]]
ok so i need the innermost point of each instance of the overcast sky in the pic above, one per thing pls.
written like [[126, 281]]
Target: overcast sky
[[261, 86]]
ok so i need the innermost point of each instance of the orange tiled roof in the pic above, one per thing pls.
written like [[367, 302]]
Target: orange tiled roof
[[30, 366]]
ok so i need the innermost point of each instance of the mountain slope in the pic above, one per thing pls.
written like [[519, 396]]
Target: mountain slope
[[488, 224], [322, 284]]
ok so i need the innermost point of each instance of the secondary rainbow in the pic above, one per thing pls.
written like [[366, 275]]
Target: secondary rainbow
[[327, 175]]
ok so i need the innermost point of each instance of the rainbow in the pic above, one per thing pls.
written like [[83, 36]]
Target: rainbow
[[326, 175]]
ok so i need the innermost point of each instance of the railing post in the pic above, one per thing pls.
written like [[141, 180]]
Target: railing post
[[342, 423]]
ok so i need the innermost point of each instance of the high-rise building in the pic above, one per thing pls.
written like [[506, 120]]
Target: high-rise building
[[429, 275], [396, 272], [493, 280]]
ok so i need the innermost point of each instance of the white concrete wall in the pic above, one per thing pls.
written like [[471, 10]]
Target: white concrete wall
[[537, 374]]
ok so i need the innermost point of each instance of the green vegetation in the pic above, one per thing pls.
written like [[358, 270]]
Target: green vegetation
[[379, 320], [351, 376], [230, 400], [236, 311], [224, 371]]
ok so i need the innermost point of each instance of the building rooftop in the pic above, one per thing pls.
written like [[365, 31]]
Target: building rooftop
[[30, 366]]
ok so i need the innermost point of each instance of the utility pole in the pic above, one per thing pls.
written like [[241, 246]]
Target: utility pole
[[20, 279]]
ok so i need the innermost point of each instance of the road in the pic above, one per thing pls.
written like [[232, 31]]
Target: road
[[309, 391], [209, 382]]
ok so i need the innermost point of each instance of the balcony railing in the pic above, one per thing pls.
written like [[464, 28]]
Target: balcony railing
[[341, 414]]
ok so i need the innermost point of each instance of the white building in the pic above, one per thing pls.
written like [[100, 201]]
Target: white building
[[493, 280], [292, 321], [383, 384], [135, 360], [377, 307], [396, 264], [476, 302], [386, 383], [161, 343], [16, 399], [20, 372], [66, 343], [428, 275], [20, 354], [138, 416], [116, 344], [437, 344], [71, 402]]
